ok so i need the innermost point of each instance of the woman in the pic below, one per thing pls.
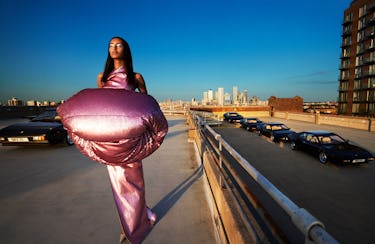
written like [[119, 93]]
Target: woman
[[127, 181]]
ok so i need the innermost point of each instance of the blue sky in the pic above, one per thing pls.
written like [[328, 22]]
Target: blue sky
[[52, 49]]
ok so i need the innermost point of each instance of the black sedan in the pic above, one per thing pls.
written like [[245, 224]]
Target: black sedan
[[233, 117], [45, 128], [329, 146], [275, 131], [250, 123]]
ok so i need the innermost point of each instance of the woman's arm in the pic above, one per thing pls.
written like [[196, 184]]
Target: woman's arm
[[99, 80], [141, 84]]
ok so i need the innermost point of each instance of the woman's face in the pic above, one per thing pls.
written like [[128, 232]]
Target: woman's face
[[116, 49]]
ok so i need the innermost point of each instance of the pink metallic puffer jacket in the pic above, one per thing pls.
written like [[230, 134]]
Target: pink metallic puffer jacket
[[114, 126]]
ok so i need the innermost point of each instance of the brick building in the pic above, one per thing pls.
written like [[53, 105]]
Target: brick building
[[294, 104], [357, 68]]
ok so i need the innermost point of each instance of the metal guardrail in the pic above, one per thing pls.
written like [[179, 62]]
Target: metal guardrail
[[312, 228]]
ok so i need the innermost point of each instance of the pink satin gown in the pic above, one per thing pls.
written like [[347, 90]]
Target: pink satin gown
[[128, 184]]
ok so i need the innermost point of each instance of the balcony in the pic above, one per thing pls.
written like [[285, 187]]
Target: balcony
[[370, 34], [345, 56], [360, 51], [347, 32], [344, 78], [369, 60], [347, 20], [346, 43], [370, 7], [370, 47], [367, 74], [344, 66]]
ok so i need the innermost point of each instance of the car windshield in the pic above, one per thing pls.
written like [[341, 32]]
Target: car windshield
[[233, 114], [252, 121], [331, 139], [279, 127], [47, 116]]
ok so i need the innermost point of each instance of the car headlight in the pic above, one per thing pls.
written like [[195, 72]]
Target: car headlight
[[2, 138]]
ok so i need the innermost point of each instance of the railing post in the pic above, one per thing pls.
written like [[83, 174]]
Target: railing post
[[218, 138]]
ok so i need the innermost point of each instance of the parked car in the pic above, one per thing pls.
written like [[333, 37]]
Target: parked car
[[233, 117], [45, 128], [329, 146], [250, 123], [275, 131]]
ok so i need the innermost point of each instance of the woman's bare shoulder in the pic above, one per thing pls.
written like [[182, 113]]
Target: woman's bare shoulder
[[138, 76]]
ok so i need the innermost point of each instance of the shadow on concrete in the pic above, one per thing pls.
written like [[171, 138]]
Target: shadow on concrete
[[162, 208]]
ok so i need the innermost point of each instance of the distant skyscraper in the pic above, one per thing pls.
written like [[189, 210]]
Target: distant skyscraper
[[357, 69], [220, 96], [205, 98], [245, 97], [227, 99], [210, 96], [235, 95]]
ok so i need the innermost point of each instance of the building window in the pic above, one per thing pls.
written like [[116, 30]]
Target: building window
[[342, 108], [355, 108], [371, 69], [358, 60], [362, 11], [358, 72], [346, 52], [345, 63], [345, 75], [356, 96], [371, 109], [357, 84], [347, 29], [370, 96], [343, 97], [348, 17], [360, 36], [360, 48], [372, 56], [371, 82], [361, 23], [344, 86]]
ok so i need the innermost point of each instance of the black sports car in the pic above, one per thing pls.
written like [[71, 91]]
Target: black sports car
[[45, 128], [275, 131], [250, 123], [329, 147], [233, 117]]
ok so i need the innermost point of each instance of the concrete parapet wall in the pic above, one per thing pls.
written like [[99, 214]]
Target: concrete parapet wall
[[361, 123], [345, 121], [247, 113]]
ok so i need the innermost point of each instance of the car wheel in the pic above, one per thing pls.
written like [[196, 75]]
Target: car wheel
[[323, 158], [293, 145], [259, 133], [272, 137], [68, 140], [248, 128]]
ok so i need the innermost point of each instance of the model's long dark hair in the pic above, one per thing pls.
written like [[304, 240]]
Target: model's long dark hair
[[127, 57]]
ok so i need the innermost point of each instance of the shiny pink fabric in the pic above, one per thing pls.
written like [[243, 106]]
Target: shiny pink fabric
[[117, 79], [114, 126], [129, 193], [118, 127]]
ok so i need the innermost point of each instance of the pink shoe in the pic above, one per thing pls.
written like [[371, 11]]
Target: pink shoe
[[151, 216]]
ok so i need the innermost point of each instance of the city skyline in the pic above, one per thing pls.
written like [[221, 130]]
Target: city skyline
[[272, 48]]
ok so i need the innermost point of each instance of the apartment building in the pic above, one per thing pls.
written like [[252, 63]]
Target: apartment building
[[357, 68]]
